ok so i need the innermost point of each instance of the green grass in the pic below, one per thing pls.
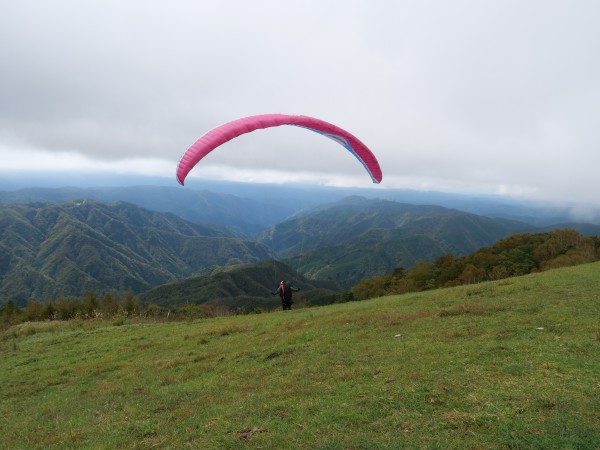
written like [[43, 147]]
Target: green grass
[[508, 364]]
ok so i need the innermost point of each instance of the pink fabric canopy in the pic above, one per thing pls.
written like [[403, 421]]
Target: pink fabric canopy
[[231, 130]]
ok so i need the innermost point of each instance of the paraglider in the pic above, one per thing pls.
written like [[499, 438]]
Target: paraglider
[[284, 291], [231, 130]]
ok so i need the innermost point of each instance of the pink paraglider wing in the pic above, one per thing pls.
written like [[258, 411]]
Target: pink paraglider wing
[[231, 130]]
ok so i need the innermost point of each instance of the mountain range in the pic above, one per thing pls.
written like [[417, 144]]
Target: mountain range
[[71, 247], [243, 216], [68, 249], [356, 238], [250, 207]]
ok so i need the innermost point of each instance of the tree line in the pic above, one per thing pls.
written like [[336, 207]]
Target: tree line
[[517, 255], [108, 306]]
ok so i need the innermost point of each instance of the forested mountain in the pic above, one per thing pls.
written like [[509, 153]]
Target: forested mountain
[[244, 287], [374, 252], [517, 255], [48, 250], [357, 238], [71, 248], [349, 219]]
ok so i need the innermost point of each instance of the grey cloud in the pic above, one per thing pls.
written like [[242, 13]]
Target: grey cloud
[[477, 93]]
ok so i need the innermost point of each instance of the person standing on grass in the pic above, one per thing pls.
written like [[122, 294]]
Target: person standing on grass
[[285, 290]]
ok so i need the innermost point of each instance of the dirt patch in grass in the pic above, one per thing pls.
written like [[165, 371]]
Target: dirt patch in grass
[[476, 309], [396, 317], [247, 433], [233, 329], [278, 354], [388, 318]]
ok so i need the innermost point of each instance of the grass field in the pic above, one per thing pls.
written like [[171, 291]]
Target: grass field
[[508, 364]]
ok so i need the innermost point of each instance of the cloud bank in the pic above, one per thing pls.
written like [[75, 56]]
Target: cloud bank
[[469, 96]]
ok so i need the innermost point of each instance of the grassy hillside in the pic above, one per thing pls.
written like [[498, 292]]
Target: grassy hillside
[[507, 364]]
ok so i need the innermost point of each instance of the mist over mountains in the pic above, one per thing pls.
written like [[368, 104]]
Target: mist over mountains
[[251, 207]]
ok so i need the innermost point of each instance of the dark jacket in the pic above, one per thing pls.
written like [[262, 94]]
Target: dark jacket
[[285, 290]]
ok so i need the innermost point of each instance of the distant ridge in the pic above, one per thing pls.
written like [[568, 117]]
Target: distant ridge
[[244, 216]]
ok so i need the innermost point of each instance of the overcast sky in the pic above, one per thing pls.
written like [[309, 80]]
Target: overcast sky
[[461, 96]]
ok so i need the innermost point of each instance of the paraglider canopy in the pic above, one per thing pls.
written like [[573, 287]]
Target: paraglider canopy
[[231, 130]]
